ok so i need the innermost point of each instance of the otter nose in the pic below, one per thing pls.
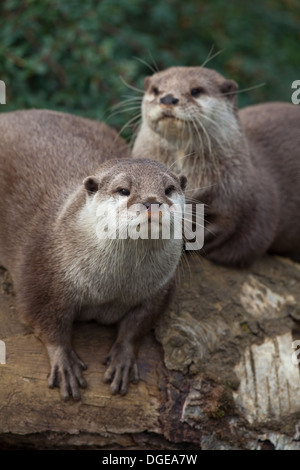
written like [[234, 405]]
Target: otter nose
[[148, 204], [169, 100]]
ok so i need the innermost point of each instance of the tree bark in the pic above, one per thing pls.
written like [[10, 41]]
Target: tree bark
[[216, 373]]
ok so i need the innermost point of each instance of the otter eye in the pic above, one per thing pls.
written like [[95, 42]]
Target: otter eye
[[197, 91], [155, 91], [169, 190], [124, 192]]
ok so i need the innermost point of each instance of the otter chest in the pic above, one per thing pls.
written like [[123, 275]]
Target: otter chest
[[121, 278]]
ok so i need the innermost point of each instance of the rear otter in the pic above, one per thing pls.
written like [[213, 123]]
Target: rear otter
[[53, 192], [243, 165]]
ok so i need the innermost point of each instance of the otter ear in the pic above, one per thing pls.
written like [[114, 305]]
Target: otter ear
[[91, 184], [182, 181], [229, 88], [146, 82]]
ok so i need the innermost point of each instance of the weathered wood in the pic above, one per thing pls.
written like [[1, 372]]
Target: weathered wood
[[218, 375]]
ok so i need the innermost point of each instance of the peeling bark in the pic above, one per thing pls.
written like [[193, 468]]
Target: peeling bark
[[217, 372]]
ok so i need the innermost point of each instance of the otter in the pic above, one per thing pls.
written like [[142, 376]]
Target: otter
[[59, 175], [244, 165]]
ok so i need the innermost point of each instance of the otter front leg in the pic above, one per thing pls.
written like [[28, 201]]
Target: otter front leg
[[53, 325], [122, 367], [66, 371], [121, 360]]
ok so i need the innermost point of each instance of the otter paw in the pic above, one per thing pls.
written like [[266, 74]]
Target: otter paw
[[122, 369], [66, 372]]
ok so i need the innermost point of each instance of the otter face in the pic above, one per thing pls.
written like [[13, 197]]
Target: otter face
[[184, 101], [135, 192]]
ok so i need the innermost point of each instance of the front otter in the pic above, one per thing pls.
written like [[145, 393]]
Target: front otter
[[243, 165], [51, 238]]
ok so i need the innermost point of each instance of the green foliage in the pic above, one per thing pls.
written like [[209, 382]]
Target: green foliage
[[70, 55]]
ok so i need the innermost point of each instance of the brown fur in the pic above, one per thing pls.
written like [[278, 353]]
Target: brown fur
[[51, 180], [243, 165]]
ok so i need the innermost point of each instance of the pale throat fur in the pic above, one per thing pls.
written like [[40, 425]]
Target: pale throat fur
[[190, 123], [109, 259]]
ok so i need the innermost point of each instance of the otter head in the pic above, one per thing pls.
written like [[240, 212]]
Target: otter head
[[182, 102], [130, 193]]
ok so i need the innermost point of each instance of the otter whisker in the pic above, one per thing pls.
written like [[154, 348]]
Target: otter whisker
[[254, 87], [211, 57], [145, 63], [132, 120], [206, 135], [184, 266], [219, 141], [200, 188], [181, 158], [139, 90], [153, 60], [184, 218], [198, 134], [124, 106], [215, 167], [128, 101], [212, 121], [134, 133], [132, 108], [201, 160]]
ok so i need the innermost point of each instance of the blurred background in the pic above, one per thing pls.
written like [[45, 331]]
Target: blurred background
[[78, 56]]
